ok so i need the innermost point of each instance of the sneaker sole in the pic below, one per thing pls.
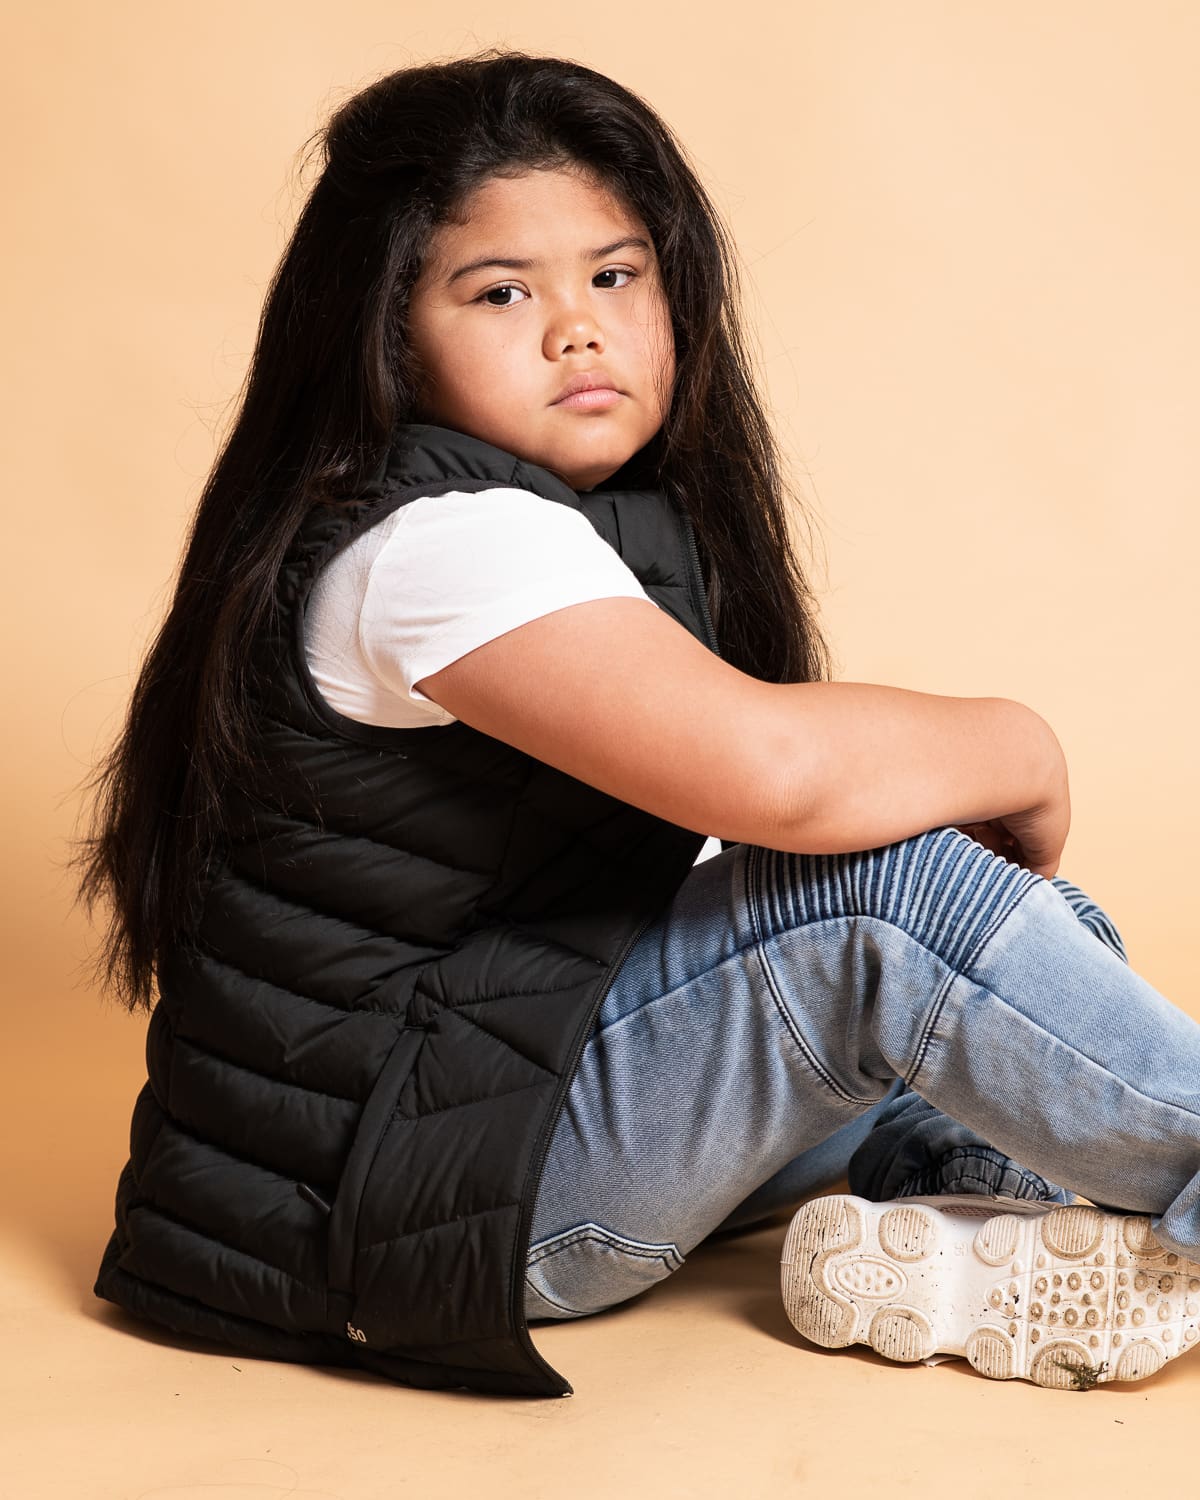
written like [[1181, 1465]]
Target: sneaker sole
[[1069, 1297]]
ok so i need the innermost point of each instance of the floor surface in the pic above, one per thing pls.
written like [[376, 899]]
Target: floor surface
[[701, 1388]]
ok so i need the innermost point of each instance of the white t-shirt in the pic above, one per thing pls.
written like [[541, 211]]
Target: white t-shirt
[[437, 578]]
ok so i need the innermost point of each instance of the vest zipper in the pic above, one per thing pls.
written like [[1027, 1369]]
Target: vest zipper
[[698, 590]]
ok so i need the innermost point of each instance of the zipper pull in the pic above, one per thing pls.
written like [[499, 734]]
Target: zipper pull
[[310, 1196]]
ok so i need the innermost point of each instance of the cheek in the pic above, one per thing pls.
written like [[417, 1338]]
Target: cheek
[[659, 337], [468, 349], [455, 371]]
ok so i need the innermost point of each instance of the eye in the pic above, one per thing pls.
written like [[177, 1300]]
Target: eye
[[509, 286]]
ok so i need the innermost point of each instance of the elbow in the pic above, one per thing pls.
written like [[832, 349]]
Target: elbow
[[785, 800]]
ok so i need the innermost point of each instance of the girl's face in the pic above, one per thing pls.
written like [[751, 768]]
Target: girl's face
[[498, 342]]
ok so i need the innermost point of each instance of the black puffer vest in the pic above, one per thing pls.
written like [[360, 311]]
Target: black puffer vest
[[354, 1074]]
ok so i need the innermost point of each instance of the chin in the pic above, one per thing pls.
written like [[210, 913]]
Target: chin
[[600, 453], [593, 465]]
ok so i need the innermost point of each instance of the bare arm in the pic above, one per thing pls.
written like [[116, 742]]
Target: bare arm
[[891, 762], [617, 694]]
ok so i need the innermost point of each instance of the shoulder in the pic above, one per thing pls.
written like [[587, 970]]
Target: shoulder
[[493, 508], [475, 526]]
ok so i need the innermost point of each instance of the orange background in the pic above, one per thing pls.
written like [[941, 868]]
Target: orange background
[[970, 237]]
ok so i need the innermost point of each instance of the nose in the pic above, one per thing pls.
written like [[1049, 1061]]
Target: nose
[[572, 328]]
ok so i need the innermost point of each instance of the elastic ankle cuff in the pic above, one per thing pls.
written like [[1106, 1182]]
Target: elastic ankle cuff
[[976, 1169]]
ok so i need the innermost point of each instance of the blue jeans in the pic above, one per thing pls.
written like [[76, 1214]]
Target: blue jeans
[[789, 1019]]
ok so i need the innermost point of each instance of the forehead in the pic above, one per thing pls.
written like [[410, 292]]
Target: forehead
[[547, 207]]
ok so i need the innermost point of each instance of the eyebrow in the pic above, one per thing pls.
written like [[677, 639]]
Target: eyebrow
[[632, 241]]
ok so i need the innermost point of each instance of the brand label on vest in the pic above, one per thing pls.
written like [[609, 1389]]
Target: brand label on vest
[[355, 1333]]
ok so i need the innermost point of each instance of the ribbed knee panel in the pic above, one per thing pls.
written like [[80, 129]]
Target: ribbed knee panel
[[942, 888]]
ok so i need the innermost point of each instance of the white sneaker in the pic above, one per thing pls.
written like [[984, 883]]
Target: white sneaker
[[1065, 1296]]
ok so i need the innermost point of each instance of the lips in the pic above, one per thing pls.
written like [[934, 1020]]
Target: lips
[[588, 382]]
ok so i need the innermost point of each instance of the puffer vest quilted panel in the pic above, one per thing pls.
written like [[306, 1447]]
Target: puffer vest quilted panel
[[353, 1073]]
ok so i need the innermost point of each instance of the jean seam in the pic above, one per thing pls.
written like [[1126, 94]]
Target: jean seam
[[939, 1005], [599, 1234], [759, 947], [1138, 1093], [667, 1257]]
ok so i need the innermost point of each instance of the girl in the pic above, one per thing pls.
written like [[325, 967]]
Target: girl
[[488, 616]]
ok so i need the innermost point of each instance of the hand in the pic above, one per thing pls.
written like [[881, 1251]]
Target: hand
[[1033, 836]]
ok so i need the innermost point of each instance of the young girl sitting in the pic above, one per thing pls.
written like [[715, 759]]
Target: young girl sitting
[[509, 936]]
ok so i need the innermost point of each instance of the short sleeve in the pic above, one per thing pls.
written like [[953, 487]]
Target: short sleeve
[[461, 569]]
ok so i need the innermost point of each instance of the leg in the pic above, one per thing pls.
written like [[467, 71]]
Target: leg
[[780, 997], [914, 1148], [689, 1095], [1025, 1028], [899, 1147], [819, 1167]]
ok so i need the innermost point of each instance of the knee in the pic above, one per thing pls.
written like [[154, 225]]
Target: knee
[[941, 887]]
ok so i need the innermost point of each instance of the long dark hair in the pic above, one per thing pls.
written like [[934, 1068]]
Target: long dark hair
[[330, 378]]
